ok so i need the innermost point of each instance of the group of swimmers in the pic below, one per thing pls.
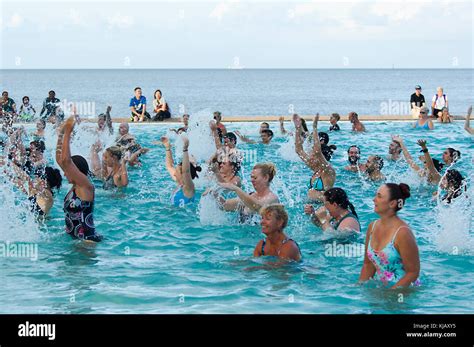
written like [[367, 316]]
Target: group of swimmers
[[391, 255]]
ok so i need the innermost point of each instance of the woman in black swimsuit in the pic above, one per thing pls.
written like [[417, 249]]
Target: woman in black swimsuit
[[79, 202], [276, 243]]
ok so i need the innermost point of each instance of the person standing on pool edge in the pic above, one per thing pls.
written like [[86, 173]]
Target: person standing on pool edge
[[391, 253], [79, 202], [276, 243]]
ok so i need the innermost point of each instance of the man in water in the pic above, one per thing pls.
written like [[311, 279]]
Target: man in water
[[394, 151], [353, 156], [7, 105], [266, 135], [417, 101]]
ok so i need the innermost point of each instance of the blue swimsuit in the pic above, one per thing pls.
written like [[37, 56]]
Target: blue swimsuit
[[178, 198]]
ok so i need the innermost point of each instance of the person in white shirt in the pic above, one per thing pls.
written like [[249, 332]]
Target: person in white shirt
[[160, 107], [439, 101]]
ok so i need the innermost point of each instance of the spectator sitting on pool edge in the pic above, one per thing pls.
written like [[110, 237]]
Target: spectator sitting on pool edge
[[160, 107], [356, 124], [417, 101], [335, 117], [138, 107], [439, 101]]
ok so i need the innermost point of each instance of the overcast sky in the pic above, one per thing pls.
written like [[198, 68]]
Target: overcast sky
[[222, 34]]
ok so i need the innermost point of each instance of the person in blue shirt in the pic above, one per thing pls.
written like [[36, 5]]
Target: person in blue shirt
[[138, 107]]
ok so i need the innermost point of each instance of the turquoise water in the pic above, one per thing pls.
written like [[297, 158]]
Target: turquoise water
[[162, 259]]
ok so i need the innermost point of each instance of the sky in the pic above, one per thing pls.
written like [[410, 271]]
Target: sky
[[236, 34]]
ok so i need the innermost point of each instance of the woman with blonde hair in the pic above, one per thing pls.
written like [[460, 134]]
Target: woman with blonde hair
[[113, 169], [276, 242], [248, 204]]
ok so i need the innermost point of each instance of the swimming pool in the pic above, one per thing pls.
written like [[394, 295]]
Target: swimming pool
[[160, 259]]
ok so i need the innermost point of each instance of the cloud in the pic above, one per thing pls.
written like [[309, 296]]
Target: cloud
[[223, 8], [120, 21], [400, 11], [15, 21]]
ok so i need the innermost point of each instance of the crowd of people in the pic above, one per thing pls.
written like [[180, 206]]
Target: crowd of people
[[391, 255]]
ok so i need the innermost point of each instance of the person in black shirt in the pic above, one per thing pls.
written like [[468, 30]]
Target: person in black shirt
[[417, 100], [50, 106]]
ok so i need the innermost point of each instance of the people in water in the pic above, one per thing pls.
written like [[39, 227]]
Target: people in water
[[183, 174], [79, 201], [324, 175], [248, 204], [104, 121], [394, 151], [431, 167], [337, 213], [220, 127], [40, 128], [184, 128], [391, 252], [335, 117], [453, 184], [276, 242], [113, 168], [129, 146], [266, 136], [424, 122], [353, 157], [444, 116], [304, 128], [373, 168], [357, 125]]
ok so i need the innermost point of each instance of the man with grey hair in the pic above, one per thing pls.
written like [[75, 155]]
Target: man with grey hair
[[439, 101]]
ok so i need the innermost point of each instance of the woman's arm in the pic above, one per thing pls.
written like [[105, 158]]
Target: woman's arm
[[408, 249], [282, 125], [217, 140], [97, 169], [434, 176], [243, 138], [430, 124], [169, 158], [406, 154], [188, 184], [467, 125], [318, 156], [108, 120], [299, 143], [368, 269], [63, 158], [123, 174]]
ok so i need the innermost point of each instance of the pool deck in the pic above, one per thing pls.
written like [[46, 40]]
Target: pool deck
[[232, 119]]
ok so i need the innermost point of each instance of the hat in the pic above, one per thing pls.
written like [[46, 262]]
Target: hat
[[417, 86]]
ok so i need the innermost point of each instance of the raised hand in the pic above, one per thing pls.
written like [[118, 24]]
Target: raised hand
[[398, 139], [309, 209], [422, 143], [297, 121], [165, 141], [213, 125], [281, 119], [469, 111], [315, 121]]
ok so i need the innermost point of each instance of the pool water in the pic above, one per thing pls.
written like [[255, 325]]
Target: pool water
[[162, 259]]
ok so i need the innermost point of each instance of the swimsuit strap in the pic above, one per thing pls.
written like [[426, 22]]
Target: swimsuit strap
[[264, 241], [396, 232]]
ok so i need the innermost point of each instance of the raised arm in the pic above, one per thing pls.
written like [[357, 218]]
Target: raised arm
[[299, 142], [188, 186], [97, 169], [169, 158], [215, 135], [317, 153], [406, 154], [467, 125], [64, 160], [108, 120], [243, 138], [123, 174], [434, 175], [282, 125]]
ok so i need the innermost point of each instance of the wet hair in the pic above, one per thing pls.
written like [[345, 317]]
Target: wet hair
[[115, 151], [231, 136], [336, 116], [39, 144], [353, 114], [43, 122], [267, 169], [353, 146], [454, 153], [379, 161], [327, 151], [81, 164], [398, 192], [438, 165], [455, 181], [268, 132], [194, 170], [278, 210], [217, 114], [136, 88], [53, 177], [339, 196], [267, 125], [154, 94], [323, 137]]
